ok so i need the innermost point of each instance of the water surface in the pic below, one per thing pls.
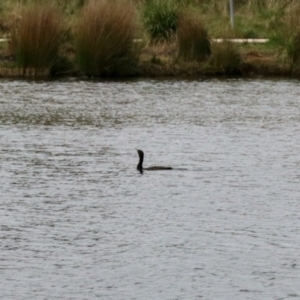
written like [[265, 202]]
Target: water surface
[[79, 222]]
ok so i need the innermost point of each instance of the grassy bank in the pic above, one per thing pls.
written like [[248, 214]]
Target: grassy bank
[[148, 38]]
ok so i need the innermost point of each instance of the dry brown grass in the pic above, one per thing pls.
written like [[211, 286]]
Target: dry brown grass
[[104, 38], [192, 38], [36, 38]]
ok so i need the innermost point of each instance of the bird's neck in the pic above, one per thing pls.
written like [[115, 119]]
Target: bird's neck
[[140, 164]]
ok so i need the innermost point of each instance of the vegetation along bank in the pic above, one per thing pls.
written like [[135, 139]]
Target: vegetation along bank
[[98, 38]]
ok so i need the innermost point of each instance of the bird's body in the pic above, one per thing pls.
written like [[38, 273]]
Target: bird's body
[[153, 168]]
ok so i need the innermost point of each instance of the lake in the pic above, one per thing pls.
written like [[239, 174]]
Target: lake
[[78, 221]]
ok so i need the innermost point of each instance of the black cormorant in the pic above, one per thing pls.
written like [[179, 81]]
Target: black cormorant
[[154, 168]]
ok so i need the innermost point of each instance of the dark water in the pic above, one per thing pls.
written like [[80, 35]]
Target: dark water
[[79, 222]]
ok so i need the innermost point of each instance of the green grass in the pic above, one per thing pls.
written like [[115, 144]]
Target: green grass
[[160, 19], [286, 35]]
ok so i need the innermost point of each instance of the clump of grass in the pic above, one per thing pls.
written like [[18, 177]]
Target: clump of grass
[[288, 35], [192, 38], [36, 38], [225, 58], [160, 19], [104, 38]]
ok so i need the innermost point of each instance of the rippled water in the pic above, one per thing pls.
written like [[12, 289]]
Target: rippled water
[[79, 222]]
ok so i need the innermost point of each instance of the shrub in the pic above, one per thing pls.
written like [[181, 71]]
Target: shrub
[[192, 38], [104, 38], [36, 38], [160, 19], [225, 58]]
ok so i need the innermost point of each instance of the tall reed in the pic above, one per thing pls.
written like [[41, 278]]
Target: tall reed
[[192, 38], [36, 38], [104, 38]]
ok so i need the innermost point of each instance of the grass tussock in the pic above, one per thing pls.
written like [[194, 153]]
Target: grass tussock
[[36, 37], [289, 35], [286, 35], [104, 38], [225, 58], [192, 38], [160, 19]]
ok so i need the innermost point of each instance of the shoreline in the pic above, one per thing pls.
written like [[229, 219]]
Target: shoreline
[[163, 72]]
